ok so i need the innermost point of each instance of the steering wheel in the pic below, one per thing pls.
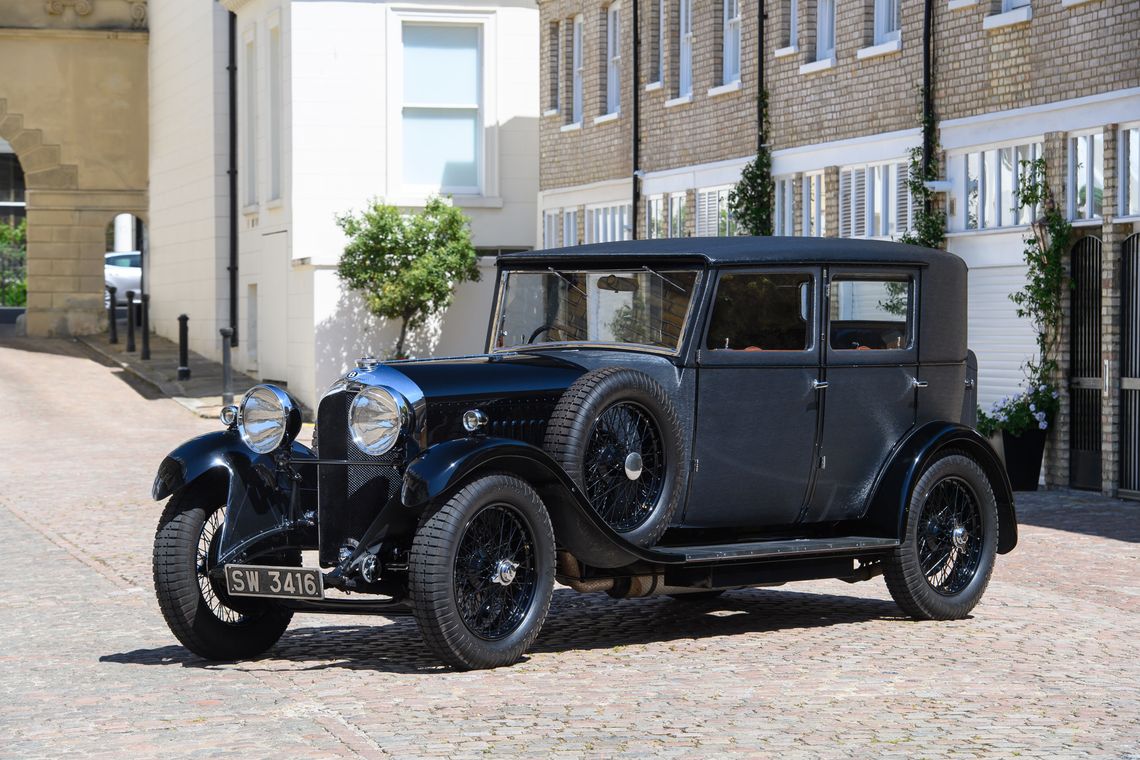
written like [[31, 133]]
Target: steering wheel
[[546, 328]]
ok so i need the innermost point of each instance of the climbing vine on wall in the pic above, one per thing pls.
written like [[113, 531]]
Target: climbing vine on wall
[[751, 201]]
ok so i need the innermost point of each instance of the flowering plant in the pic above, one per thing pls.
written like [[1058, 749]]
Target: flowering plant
[[1033, 408]]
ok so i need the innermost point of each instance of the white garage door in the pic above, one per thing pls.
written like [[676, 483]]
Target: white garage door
[[1002, 341]]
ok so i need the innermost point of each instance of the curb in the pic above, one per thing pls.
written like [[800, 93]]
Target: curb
[[170, 391]]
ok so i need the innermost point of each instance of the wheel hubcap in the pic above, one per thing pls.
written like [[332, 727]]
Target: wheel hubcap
[[505, 572], [634, 465]]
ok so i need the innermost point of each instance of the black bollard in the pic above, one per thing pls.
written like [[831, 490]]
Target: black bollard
[[183, 347], [227, 367], [130, 321], [112, 317], [144, 307]]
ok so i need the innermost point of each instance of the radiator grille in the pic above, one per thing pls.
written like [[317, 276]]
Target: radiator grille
[[349, 496]]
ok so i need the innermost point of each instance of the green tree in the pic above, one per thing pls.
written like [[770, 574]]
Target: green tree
[[406, 265], [13, 257]]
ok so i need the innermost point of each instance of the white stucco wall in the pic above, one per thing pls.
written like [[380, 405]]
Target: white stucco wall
[[188, 155]]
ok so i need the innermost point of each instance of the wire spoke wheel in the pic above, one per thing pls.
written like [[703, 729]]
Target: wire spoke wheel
[[950, 536], [205, 560], [624, 466], [495, 572]]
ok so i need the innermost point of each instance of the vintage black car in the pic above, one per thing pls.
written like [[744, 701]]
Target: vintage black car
[[673, 417]]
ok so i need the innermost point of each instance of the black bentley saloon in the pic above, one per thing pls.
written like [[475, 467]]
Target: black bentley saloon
[[675, 417]]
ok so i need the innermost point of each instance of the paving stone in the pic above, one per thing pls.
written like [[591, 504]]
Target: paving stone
[[1046, 666]]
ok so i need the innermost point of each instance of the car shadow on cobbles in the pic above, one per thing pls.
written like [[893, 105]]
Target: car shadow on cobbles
[[575, 622]]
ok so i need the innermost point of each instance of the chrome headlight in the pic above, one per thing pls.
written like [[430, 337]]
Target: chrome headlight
[[268, 418], [376, 418]]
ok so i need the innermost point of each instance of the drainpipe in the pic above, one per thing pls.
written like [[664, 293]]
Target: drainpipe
[[232, 269], [636, 114], [761, 137], [927, 90]]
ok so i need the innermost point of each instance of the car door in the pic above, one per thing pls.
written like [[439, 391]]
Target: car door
[[756, 404], [871, 370]]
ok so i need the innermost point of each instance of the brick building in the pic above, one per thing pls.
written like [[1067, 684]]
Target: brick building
[[1011, 80]]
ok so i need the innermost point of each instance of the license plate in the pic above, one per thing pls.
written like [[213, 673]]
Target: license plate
[[280, 582]]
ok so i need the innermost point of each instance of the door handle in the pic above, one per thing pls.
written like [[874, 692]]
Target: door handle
[[819, 385], [919, 383]]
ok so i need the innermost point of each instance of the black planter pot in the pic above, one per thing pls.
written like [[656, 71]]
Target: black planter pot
[[1023, 458]]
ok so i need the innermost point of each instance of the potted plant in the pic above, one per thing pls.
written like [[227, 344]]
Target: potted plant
[[1023, 420], [1020, 423]]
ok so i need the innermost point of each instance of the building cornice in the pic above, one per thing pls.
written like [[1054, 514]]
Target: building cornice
[[233, 6]]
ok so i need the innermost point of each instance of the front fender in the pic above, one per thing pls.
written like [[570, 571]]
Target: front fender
[[442, 469], [262, 501], [890, 501]]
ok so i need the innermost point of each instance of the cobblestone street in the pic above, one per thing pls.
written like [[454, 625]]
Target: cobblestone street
[[1047, 666]]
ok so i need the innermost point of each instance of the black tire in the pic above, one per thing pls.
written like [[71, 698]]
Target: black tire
[[469, 617], [200, 614], [943, 565], [587, 425]]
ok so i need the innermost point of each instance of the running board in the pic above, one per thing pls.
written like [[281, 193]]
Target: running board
[[760, 550]]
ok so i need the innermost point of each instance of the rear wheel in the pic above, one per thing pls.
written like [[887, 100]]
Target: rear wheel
[[195, 605], [943, 565], [481, 573]]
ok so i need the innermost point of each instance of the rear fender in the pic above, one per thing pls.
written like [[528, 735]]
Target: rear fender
[[443, 469], [262, 500], [890, 503]]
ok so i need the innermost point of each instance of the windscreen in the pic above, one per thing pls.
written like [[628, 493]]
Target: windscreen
[[644, 307]]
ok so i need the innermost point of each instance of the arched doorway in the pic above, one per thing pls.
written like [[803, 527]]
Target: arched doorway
[[1086, 378], [1130, 368]]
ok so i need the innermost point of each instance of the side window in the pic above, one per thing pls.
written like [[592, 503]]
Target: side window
[[870, 313], [761, 312]]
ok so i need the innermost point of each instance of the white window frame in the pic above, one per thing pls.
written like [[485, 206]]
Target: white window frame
[[958, 164], [813, 204], [730, 64], [250, 197], [1128, 204], [569, 227], [1012, 5], [579, 70], [1089, 172], [825, 30], [729, 226], [662, 33], [881, 184], [783, 218], [276, 116], [550, 229], [677, 210], [793, 24], [888, 22], [613, 58], [487, 124], [654, 217], [685, 48], [608, 222]]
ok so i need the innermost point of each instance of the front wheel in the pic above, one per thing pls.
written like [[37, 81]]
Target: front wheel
[[195, 605], [481, 573], [943, 565]]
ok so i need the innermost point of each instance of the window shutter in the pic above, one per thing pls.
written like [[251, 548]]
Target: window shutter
[[859, 189], [845, 204], [902, 198], [706, 214]]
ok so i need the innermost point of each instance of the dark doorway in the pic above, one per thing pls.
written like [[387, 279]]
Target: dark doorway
[[1086, 378], [1130, 369]]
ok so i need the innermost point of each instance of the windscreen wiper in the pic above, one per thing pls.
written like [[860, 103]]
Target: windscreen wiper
[[566, 280], [665, 279]]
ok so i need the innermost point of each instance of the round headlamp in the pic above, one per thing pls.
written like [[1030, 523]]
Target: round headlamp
[[376, 418], [267, 419]]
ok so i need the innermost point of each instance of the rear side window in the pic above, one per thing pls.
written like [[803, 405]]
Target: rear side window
[[870, 313], [124, 260], [761, 312]]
